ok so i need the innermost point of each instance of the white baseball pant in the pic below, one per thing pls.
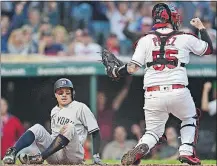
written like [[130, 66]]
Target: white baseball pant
[[71, 154], [158, 105]]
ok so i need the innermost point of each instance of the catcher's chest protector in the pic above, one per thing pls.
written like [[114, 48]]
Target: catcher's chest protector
[[163, 38]]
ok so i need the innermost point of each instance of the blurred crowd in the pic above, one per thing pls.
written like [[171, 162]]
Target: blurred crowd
[[83, 28], [118, 138]]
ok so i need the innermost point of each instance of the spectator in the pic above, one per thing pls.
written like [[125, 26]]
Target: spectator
[[106, 112], [145, 25], [118, 19], [47, 45], [205, 148], [16, 42], [207, 106], [52, 12], [133, 36], [34, 19], [81, 14], [213, 17], [11, 129], [78, 35], [44, 27], [87, 46], [212, 32], [7, 7], [8, 26], [112, 44], [135, 6], [119, 146], [18, 19], [144, 11], [136, 130], [4, 33], [169, 151], [71, 46], [87, 148], [60, 35], [99, 22], [30, 46]]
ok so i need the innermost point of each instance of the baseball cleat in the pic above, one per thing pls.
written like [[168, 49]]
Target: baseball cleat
[[30, 159], [10, 156], [134, 156], [191, 160]]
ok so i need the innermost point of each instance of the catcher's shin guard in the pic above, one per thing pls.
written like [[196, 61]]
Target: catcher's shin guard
[[189, 135]]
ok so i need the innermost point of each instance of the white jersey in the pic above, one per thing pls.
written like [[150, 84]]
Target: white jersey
[[212, 108], [76, 113], [178, 46]]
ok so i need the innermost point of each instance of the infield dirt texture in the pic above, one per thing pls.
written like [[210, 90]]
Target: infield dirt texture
[[117, 163], [113, 165]]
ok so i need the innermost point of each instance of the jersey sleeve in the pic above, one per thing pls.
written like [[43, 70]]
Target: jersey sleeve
[[197, 46], [88, 120], [140, 51]]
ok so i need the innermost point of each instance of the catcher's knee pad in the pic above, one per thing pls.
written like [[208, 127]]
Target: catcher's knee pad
[[150, 138], [189, 134], [68, 131]]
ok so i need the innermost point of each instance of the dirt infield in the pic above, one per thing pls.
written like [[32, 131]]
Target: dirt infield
[[114, 165]]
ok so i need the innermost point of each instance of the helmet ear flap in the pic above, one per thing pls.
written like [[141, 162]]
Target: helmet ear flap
[[73, 94]]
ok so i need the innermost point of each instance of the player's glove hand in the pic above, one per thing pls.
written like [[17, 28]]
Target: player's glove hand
[[111, 63], [96, 159]]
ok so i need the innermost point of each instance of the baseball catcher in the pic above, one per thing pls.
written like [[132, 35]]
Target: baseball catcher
[[71, 122], [164, 53]]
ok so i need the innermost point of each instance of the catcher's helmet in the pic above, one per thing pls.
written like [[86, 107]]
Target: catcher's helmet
[[163, 13], [64, 83]]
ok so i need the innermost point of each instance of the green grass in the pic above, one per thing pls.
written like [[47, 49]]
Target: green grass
[[155, 162]]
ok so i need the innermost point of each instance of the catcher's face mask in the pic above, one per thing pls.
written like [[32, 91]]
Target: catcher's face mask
[[163, 14]]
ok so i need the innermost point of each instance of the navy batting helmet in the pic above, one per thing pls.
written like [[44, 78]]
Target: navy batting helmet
[[64, 83], [163, 13]]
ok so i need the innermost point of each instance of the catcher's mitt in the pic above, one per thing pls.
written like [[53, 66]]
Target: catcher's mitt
[[110, 61]]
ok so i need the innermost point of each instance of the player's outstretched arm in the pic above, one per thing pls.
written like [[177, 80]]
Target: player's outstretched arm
[[115, 68], [118, 100], [96, 146], [205, 96]]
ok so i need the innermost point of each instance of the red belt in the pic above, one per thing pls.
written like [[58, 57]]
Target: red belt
[[157, 88]]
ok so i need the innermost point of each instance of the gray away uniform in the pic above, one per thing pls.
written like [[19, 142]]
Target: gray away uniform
[[75, 122]]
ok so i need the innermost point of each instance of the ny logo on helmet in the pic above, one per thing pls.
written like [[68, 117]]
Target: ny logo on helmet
[[63, 82]]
